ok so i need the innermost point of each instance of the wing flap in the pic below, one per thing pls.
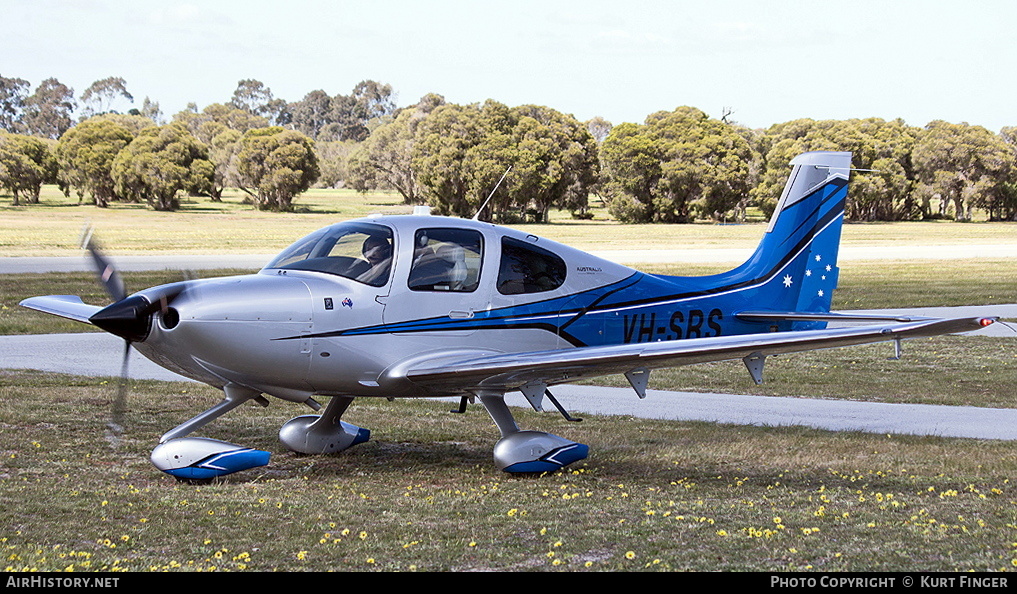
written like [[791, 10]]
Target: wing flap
[[65, 306], [797, 316], [508, 372]]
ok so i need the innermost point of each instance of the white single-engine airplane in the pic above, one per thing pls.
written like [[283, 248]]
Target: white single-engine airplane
[[427, 306]]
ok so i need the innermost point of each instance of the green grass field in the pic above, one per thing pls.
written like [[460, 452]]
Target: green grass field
[[424, 495], [53, 227]]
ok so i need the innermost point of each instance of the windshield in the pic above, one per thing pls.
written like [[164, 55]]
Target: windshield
[[357, 251]]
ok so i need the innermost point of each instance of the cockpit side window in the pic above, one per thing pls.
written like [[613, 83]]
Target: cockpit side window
[[446, 260], [528, 269], [357, 251]]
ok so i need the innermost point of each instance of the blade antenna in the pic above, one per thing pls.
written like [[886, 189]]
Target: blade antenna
[[476, 217]]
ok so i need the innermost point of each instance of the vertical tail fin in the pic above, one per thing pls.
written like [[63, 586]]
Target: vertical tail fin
[[796, 262]]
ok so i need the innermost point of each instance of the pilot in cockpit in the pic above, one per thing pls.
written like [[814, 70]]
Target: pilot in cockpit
[[378, 252]]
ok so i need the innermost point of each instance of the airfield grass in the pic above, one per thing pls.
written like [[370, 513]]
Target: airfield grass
[[200, 226], [424, 495]]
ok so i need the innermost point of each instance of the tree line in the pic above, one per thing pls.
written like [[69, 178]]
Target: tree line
[[510, 164]]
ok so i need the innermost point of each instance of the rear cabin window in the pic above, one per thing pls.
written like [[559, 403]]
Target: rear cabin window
[[527, 268], [446, 260]]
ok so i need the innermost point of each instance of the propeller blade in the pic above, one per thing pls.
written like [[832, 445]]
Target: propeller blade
[[116, 422], [104, 269]]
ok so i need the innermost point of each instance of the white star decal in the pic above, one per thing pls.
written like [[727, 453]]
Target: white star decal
[[808, 273], [821, 292], [829, 268], [787, 280], [818, 257]]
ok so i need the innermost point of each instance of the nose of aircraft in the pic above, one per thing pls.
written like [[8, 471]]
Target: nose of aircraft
[[131, 317], [128, 318]]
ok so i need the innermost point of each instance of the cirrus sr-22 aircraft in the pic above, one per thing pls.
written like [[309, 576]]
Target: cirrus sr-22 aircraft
[[408, 306]]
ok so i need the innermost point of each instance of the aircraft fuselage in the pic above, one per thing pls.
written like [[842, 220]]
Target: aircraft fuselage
[[293, 333]]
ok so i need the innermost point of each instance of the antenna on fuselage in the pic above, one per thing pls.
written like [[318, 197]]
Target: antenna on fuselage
[[484, 205]]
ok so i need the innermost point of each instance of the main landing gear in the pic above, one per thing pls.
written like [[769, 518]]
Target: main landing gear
[[528, 451], [200, 459], [517, 451], [324, 434]]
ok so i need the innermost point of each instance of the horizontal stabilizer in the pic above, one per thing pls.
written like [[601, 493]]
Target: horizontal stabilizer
[[65, 306]]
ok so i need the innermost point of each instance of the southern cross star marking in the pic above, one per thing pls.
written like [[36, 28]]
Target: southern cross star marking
[[787, 280]]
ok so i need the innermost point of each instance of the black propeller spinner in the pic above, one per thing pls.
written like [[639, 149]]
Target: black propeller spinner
[[127, 317]]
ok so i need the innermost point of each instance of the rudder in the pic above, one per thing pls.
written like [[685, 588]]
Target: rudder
[[798, 253]]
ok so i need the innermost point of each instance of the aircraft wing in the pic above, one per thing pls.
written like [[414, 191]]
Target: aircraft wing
[[65, 306], [534, 371]]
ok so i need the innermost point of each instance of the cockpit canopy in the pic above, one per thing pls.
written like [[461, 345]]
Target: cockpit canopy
[[442, 257], [353, 250]]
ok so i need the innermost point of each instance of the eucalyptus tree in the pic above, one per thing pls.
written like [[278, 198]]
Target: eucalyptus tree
[[312, 113], [150, 109], [882, 187], [274, 165], [221, 127], [103, 95], [459, 153], [255, 98], [556, 162], [48, 111], [1004, 207], [542, 158], [161, 163], [599, 128], [676, 166], [963, 166], [85, 156], [385, 158], [13, 92], [26, 163], [334, 158], [354, 116]]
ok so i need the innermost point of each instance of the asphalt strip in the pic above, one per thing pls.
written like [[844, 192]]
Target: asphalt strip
[[98, 355]]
